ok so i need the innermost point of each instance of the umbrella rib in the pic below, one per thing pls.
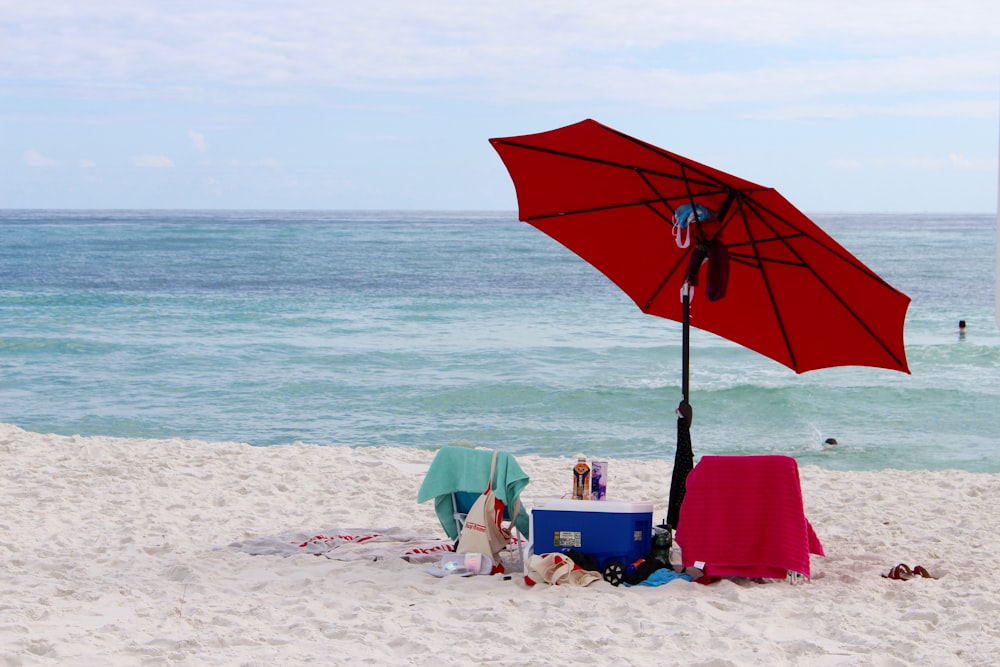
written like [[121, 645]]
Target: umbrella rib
[[819, 278], [670, 274], [682, 162], [594, 209], [648, 203], [709, 181], [659, 214], [764, 277], [757, 261], [759, 242], [850, 259], [652, 187], [663, 283]]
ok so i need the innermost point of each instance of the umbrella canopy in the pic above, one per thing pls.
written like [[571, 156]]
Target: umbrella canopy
[[649, 219], [794, 294]]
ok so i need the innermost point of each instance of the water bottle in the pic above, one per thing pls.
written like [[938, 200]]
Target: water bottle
[[581, 480]]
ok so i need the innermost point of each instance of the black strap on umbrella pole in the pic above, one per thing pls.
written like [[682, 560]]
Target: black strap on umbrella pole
[[683, 464]]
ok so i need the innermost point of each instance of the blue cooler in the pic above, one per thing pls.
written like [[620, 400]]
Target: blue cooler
[[614, 532]]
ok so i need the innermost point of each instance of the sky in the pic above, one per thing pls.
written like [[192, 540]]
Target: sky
[[842, 105]]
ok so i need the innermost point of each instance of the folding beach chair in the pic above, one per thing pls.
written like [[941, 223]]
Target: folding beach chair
[[459, 475]]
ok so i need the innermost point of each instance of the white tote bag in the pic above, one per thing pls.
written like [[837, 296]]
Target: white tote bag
[[483, 531]]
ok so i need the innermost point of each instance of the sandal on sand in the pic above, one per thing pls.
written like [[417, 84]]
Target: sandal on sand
[[922, 571], [901, 571]]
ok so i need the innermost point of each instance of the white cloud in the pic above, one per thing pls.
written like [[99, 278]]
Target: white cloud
[[919, 163], [963, 108], [847, 163], [628, 51], [148, 160], [305, 81], [962, 162], [198, 140], [33, 158], [950, 162], [263, 162], [88, 164]]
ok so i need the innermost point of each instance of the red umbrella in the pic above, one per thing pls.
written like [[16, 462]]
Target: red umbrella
[[649, 219]]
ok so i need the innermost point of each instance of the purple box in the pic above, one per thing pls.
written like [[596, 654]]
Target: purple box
[[598, 480]]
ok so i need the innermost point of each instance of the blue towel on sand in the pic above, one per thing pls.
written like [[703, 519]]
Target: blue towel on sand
[[663, 576], [457, 469]]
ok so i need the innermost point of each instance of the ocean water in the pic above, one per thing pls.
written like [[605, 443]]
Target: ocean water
[[421, 329]]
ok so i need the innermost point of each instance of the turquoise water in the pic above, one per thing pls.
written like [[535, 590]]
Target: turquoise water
[[423, 329]]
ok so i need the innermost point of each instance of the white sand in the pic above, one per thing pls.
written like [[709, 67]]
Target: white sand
[[109, 556]]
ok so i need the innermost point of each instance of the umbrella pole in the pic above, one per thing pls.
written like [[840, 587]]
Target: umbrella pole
[[683, 455], [685, 340]]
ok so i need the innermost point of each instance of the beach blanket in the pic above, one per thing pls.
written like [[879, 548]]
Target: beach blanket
[[742, 516], [349, 544]]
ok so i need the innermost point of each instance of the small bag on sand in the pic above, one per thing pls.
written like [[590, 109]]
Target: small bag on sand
[[557, 569], [483, 531]]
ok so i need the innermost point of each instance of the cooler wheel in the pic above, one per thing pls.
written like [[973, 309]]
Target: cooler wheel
[[614, 573]]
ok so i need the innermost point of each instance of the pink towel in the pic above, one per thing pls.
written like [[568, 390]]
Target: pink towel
[[742, 517]]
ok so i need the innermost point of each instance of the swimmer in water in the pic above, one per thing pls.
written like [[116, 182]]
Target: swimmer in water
[[830, 443]]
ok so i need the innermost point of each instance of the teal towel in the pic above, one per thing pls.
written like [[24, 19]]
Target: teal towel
[[462, 469]]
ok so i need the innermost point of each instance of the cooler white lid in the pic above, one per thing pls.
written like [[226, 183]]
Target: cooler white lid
[[609, 506]]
